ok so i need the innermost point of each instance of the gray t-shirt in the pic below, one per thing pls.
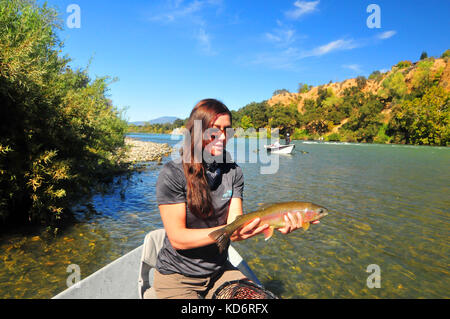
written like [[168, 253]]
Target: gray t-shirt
[[226, 181]]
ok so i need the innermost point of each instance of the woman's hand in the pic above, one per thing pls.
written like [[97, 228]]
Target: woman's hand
[[249, 230], [293, 223]]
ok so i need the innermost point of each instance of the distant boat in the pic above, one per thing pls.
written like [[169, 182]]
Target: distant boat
[[280, 149]]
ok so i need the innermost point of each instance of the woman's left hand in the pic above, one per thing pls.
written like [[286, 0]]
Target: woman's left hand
[[293, 223]]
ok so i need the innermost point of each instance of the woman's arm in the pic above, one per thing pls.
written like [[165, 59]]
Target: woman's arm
[[174, 220]]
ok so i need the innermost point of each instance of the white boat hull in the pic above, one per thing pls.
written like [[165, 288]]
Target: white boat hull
[[282, 149]]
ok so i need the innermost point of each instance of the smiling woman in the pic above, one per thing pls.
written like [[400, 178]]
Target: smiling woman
[[197, 196]]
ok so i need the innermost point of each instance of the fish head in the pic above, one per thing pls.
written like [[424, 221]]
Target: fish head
[[316, 212], [322, 212]]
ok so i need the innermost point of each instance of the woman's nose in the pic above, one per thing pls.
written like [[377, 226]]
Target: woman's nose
[[222, 136]]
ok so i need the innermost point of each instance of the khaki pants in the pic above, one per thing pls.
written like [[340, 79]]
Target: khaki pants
[[176, 286]]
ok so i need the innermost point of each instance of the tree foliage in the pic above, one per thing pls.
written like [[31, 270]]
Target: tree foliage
[[423, 120], [59, 133], [394, 86], [446, 54]]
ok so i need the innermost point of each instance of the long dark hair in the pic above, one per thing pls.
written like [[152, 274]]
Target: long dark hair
[[198, 191]]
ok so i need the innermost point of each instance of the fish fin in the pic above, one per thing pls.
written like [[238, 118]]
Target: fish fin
[[221, 237], [305, 226], [263, 206], [268, 232]]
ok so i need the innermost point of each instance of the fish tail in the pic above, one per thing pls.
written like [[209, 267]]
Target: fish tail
[[222, 237]]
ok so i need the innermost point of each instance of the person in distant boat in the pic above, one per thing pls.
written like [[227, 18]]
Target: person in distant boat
[[196, 197], [288, 138]]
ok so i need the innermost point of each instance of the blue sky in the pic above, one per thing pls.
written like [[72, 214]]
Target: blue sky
[[168, 55]]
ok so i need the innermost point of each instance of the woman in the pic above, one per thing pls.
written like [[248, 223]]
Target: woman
[[195, 197]]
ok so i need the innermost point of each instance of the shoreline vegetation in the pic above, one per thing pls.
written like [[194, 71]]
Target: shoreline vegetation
[[408, 104]]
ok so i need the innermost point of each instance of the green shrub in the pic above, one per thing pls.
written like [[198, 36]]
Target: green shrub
[[303, 88], [404, 64], [300, 134], [446, 54], [376, 76], [361, 82], [393, 86], [381, 136], [347, 136], [424, 120], [59, 132], [333, 137], [422, 80]]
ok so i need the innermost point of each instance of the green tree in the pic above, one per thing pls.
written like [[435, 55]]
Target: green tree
[[257, 112], [280, 92], [365, 121], [423, 120], [376, 75], [446, 54], [286, 118], [179, 123], [404, 64], [361, 82], [303, 88], [246, 122], [424, 55]]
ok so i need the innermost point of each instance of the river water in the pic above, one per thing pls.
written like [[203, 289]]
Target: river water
[[389, 216]]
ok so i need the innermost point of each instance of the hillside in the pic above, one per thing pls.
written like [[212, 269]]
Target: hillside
[[159, 120], [409, 104], [372, 85]]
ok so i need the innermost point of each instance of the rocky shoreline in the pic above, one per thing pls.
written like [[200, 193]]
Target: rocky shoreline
[[140, 151]]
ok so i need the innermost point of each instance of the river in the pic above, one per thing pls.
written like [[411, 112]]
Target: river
[[389, 212]]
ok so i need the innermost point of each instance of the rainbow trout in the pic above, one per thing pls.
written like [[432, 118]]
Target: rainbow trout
[[273, 215]]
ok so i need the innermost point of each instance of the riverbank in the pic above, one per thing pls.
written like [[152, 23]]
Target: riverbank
[[144, 151]]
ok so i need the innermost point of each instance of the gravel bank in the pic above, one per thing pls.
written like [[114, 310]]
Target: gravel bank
[[139, 151]]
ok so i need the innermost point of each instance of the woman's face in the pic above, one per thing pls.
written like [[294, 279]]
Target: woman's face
[[217, 135]]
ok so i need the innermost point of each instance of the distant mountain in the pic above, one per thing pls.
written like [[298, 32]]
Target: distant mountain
[[159, 120]]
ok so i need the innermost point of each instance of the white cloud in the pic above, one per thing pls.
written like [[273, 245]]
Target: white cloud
[[204, 40], [337, 45], [302, 8], [353, 67], [387, 35], [283, 37], [177, 10], [280, 60], [190, 14], [287, 58]]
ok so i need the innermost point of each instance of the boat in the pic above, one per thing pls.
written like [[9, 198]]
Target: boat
[[131, 275], [280, 149]]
